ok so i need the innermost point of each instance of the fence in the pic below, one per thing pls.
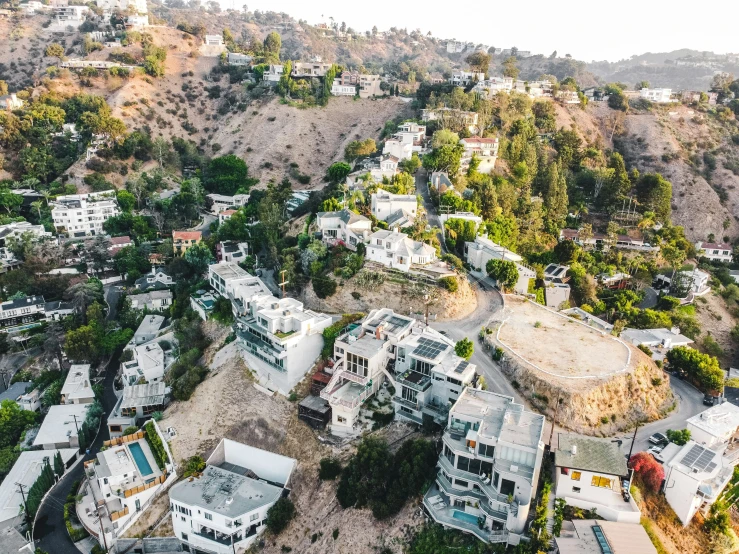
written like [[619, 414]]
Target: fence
[[123, 440]]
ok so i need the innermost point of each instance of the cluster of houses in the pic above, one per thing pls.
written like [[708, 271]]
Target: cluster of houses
[[65, 15]]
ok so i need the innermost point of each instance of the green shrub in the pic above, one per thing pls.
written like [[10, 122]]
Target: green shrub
[[279, 515], [156, 445], [330, 469], [449, 283]]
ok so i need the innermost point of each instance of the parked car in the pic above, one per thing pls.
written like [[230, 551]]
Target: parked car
[[658, 439], [710, 400], [656, 451]]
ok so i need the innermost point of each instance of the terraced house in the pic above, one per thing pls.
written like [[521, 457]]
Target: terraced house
[[489, 467]]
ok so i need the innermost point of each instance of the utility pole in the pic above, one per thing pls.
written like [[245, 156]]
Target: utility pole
[[21, 488], [283, 282], [633, 440], [100, 520]]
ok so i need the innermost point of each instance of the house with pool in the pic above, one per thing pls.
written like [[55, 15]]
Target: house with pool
[[122, 481]]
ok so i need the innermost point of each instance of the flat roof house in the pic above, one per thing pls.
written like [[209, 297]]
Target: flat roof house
[[149, 364], [77, 388], [220, 202], [659, 340], [590, 473], [136, 405], [280, 338], [492, 453], [25, 471], [224, 509], [148, 329], [481, 251], [484, 149], [343, 227], [61, 426], [232, 251], [384, 204], [81, 215], [590, 536], [228, 279], [22, 310]]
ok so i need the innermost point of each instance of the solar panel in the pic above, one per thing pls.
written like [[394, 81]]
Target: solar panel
[[429, 348], [699, 458], [461, 367]]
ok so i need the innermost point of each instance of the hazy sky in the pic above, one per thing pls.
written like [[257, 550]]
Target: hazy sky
[[594, 30]]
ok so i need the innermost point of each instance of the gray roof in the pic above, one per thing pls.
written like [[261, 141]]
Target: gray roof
[[15, 390], [58, 305], [11, 541], [21, 302], [347, 216], [592, 454], [315, 403], [148, 394], [225, 492]]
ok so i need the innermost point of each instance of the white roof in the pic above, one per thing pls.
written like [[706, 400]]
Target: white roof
[[77, 384], [496, 250], [26, 470], [150, 325], [59, 424], [654, 336], [719, 421]]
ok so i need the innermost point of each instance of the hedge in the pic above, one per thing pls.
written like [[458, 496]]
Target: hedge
[[156, 445]]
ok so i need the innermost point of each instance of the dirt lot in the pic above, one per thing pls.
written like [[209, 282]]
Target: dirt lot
[[715, 319], [399, 297], [560, 345]]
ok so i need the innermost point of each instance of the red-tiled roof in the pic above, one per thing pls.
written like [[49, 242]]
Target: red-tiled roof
[[479, 140], [715, 246], [228, 212], [120, 240], [187, 235]]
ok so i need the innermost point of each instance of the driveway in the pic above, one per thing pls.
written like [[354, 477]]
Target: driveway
[[650, 299], [422, 188], [112, 295], [489, 301], [204, 225], [50, 532], [10, 363]]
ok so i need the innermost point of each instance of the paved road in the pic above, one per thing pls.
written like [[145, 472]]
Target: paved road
[[422, 188], [489, 301], [650, 298], [10, 363], [112, 295], [204, 225], [50, 532]]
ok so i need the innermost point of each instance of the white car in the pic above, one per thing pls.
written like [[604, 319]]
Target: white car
[[656, 451]]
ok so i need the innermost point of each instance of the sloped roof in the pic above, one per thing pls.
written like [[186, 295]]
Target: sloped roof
[[591, 454], [187, 235]]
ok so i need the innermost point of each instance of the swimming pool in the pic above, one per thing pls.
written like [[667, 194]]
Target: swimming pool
[[464, 516], [140, 458]]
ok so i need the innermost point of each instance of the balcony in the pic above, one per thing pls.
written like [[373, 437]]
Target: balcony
[[484, 485], [215, 536], [414, 380]]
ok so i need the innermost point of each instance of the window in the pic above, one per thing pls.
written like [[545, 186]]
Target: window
[[460, 483], [487, 450], [575, 489], [454, 381], [184, 536], [115, 428], [507, 486], [356, 364], [208, 516], [254, 517], [603, 482], [576, 475], [463, 463]]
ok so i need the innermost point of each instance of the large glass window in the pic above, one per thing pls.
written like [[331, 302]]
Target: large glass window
[[486, 450], [356, 364], [507, 486], [409, 394], [421, 367]]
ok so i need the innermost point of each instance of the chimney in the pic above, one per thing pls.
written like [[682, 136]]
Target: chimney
[[574, 450], [675, 330], [378, 332]]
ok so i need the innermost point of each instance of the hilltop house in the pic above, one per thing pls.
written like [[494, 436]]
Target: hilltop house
[[232, 251], [397, 250], [398, 148], [61, 427], [595, 536], [489, 467], [591, 473], [235, 58], [385, 204], [149, 362], [453, 118], [80, 215], [224, 509], [280, 337], [202, 303], [601, 241], [17, 393], [343, 227], [122, 481], [697, 472], [659, 340], [230, 280], [156, 300], [440, 182], [310, 69], [658, 95], [148, 329], [182, 240], [220, 202], [77, 388], [478, 253], [464, 216], [464, 78], [376, 169], [716, 252], [58, 310], [485, 150], [556, 287], [273, 73], [22, 310], [136, 405], [225, 215]]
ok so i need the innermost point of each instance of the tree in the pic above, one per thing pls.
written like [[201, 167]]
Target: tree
[[504, 272], [479, 61], [272, 45], [126, 200], [13, 421], [359, 149], [655, 192], [680, 437], [338, 171], [648, 470], [227, 175], [3, 88], [641, 84], [510, 69], [55, 50], [444, 137], [199, 257], [464, 348], [567, 251], [279, 515], [9, 200], [58, 464], [555, 196], [701, 368]]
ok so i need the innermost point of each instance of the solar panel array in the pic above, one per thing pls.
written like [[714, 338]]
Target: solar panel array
[[397, 322], [699, 458], [461, 367], [428, 348]]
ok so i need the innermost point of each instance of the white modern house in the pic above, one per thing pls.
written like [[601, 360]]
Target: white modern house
[[375, 169], [716, 252], [77, 388], [122, 481], [397, 250], [481, 251], [135, 405], [489, 467], [398, 148], [385, 204], [80, 215], [232, 251], [658, 95], [485, 150], [149, 328], [60, 427], [280, 339], [230, 280], [224, 509], [149, 364], [21, 311], [464, 78], [590, 473], [25, 471], [658, 340], [344, 227]]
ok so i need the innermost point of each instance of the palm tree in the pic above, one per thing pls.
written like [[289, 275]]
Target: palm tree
[[37, 206], [54, 342]]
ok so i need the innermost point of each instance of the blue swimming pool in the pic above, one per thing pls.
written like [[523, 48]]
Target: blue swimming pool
[[464, 516], [140, 458]]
